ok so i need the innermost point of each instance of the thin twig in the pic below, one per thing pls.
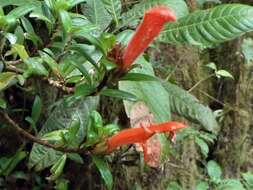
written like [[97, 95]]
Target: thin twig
[[40, 141]]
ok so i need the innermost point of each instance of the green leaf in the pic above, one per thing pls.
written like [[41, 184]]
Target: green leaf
[[96, 12], [138, 77], [21, 11], [203, 146], [83, 50], [119, 94], [51, 63], [214, 171], [132, 16], [186, 105], [104, 171], [36, 109], [173, 186], [230, 184], [76, 158], [65, 21], [114, 8], [248, 178], [224, 73], [75, 2], [57, 168], [209, 27], [7, 79], [35, 67], [8, 164], [202, 185], [4, 3], [61, 118], [83, 70], [3, 103], [211, 66], [153, 94], [20, 50]]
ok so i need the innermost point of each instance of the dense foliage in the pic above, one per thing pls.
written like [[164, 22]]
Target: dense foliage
[[62, 86]]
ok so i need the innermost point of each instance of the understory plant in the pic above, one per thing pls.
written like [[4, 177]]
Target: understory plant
[[63, 61]]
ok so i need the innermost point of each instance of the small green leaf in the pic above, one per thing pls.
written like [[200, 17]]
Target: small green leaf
[[138, 77], [84, 90], [56, 136], [119, 94], [36, 109], [3, 103], [248, 178], [224, 73], [214, 171], [21, 11], [203, 146], [20, 50], [11, 38], [173, 186], [32, 123], [76, 158], [202, 186], [212, 66], [7, 79], [104, 171], [57, 168]]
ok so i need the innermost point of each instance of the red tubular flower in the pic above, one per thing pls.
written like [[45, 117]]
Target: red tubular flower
[[141, 135], [150, 27]]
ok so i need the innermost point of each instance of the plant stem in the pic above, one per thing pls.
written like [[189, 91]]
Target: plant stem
[[199, 82]]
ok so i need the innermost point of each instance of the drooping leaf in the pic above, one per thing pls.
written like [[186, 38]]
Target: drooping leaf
[[186, 105], [36, 109], [104, 170], [57, 168], [4, 3], [35, 67], [203, 146], [209, 27], [7, 79], [20, 50], [61, 118]]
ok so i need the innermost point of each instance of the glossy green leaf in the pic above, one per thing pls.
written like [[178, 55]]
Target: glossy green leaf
[[7, 79], [186, 105], [65, 21], [214, 170], [119, 94], [75, 157], [224, 73], [35, 67], [20, 50], [104, 171], [4, 3], [114, 8], [36, 109], [61, 118], [138, 77], [3, 103], [21, 11], [209, 27]]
